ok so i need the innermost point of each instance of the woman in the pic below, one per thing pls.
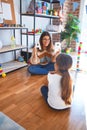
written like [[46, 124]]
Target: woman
[[59, 92], [42, 60]]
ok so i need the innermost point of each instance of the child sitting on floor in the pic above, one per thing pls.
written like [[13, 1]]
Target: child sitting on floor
[[42, 60], [58, 93]]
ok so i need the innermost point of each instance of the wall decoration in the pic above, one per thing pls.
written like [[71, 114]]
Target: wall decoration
[[8, 11]]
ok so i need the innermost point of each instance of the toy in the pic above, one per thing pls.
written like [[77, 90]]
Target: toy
[[3, 75], [55, 13], [20, 59], [13, 42], [1, 72], [31, 7], [57, 46], [38, 46], [36, 31], [78, 57]]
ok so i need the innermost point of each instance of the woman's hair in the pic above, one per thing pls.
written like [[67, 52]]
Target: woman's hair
[[64, 62], [45, 33]]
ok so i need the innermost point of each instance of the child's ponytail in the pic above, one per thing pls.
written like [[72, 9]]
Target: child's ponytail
[[66, 87], [64, 62]]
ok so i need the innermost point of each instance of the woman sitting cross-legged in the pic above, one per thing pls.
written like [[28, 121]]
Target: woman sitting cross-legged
[[42, 60], [58, 93]]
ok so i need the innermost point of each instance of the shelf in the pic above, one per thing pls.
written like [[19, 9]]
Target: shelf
[[9, 28], [35, 15], [36, 34], [40, 15], [29, 50], [12, 65], [52, 32], [9, 48], [46, 16], [53, 1]]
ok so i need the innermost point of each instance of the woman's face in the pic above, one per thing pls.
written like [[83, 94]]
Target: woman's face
[[46, 41]]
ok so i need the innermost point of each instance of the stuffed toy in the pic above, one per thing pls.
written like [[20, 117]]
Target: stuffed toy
[[31, 7]]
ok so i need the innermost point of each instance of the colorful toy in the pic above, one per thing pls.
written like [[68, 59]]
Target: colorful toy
[[36, 31], [1, 68], [3, 75], [57, 47], [78, 57], [1, 72], [20, 59], [13, 42]]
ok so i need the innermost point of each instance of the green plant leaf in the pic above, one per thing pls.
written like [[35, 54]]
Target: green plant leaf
[[72, 29]]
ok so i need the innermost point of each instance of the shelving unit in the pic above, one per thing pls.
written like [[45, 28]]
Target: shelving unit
[[35, 15], [41, 15], [8, 48], [13, 65]]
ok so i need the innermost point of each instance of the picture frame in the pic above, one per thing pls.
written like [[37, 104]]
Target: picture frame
[[9, 15]]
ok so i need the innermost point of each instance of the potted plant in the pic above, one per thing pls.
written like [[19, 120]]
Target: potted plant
[[71, 30]]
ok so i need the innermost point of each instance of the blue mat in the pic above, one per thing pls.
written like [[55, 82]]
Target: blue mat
[[8, 124]]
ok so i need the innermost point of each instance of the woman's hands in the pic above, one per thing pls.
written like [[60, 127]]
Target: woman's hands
[[34, 58], [34, 52], [55, 55], [36, 55]]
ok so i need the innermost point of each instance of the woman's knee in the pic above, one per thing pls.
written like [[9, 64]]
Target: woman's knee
[[31, 68], [37, 69]]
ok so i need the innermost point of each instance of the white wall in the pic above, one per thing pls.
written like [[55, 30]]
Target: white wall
[[83, 25]]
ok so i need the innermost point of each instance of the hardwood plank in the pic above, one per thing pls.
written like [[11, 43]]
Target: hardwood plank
[[20, 99]]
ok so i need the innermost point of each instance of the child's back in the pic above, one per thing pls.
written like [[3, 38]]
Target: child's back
[[58, 94]]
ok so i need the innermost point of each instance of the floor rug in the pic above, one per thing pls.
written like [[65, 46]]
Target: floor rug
[[7, 123]]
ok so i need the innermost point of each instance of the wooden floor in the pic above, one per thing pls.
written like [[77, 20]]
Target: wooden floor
[[20, 99]]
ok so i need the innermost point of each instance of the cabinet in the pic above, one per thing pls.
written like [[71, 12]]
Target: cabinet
[[13, 65], [24, 15]]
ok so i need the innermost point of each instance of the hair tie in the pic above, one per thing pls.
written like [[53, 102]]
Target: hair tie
[[63, 71]]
